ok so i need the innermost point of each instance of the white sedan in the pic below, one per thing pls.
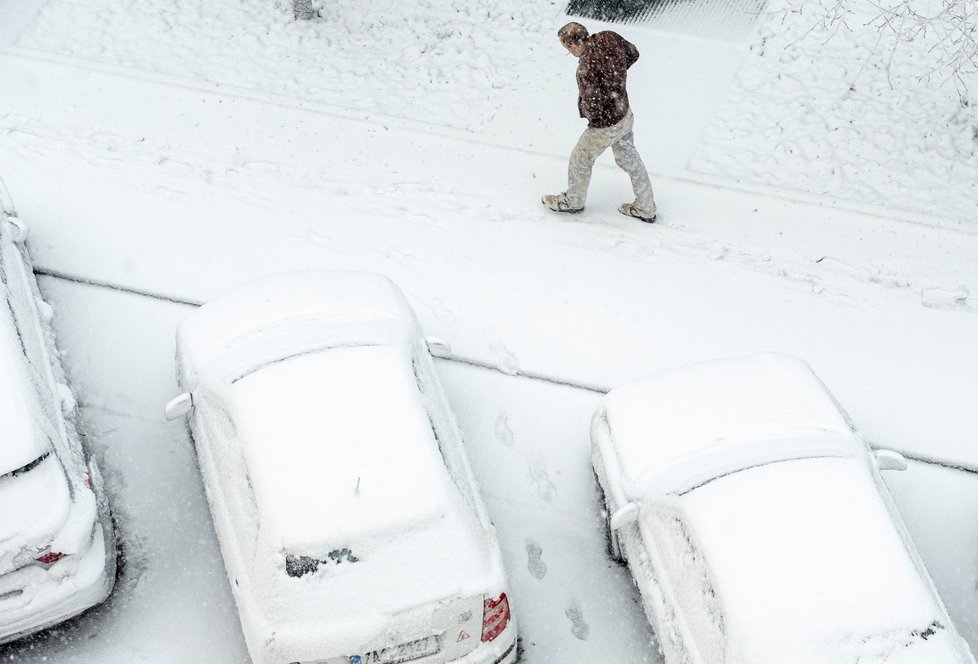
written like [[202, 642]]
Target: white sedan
[[349, 520], [756, 525], [57, 553]]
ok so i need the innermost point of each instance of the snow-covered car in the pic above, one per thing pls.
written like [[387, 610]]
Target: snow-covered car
[[57, 551], [350, 523], [756, 525]]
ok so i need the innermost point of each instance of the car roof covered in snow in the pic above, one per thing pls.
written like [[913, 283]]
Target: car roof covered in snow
[[21, 437], [803, 556], [725, 407], [339, 447], [290, 313]]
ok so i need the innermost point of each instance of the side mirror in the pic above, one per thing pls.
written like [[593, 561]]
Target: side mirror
[[890, 460], [626, 514], [18, 228], [178, 406], [438, 347]]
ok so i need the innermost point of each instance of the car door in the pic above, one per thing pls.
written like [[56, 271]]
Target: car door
[[32, 318], [674, 560], [443, 425], [228, 488]]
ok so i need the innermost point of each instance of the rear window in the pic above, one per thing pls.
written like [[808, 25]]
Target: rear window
[[296, 566], [27, 467]]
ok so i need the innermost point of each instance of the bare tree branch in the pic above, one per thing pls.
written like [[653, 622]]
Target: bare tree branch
[[952, 26]]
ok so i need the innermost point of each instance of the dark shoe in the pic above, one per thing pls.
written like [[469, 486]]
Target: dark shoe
[[629, 210], [558, 203]]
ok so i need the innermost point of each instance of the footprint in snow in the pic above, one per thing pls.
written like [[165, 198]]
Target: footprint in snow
[[106, 139], [175, 166], [505, 360], [541, 480], [443, 312], [261, 166], [579, 627], [319, 238], [503, 433], [944, 298], [534, 554]]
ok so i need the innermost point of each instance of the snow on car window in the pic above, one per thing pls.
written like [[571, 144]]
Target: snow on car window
[[696, 594]]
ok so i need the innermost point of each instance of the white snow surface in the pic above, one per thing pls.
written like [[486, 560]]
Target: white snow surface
[[858, 114], [288, 314], [23, 440], [842, 587], [36, 505], [151, 156], [441, 63], [307, 399], [727, 414], [340, 434]]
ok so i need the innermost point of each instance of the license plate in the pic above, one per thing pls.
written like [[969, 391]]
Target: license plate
[[404, 652]]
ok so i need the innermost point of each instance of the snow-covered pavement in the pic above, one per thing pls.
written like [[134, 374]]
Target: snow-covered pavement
[[174, 604], [573, 604], [191, 197]]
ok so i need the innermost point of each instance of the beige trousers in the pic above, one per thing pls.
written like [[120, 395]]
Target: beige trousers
[[622, 142]]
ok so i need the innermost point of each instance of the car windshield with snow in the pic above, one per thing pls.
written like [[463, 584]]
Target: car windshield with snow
[[57, 552], [351, 527], [756, 524]]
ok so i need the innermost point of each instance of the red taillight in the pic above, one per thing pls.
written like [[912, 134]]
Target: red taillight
[[49, 557], [495, 617]]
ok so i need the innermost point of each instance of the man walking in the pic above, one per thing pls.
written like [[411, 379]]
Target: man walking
[[602, 99]]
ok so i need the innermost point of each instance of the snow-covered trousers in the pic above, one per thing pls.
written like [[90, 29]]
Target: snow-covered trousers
[[622, 142]]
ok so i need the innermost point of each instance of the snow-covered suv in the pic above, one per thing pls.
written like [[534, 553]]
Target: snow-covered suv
[[756, 525], [57, 553], [349, 520]]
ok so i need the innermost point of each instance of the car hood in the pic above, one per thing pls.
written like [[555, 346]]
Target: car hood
[[804, 556]]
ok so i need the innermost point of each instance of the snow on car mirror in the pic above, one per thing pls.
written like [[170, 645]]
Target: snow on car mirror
[[178, 406], [18, 228], [626, 514], [438, 347], [890, 460]]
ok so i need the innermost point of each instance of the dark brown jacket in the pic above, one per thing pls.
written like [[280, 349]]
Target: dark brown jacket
[[601, 73]]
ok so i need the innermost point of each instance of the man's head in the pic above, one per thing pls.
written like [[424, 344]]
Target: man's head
[[573, 36]]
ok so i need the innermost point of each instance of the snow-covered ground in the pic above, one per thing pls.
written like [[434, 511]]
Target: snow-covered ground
[[859, 116], [178, 149], [528, 444]]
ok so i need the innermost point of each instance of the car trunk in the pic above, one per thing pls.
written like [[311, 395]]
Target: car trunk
[[35, 504], [393, 589]]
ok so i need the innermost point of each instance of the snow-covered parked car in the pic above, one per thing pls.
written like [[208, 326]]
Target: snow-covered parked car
[[349, 520], [756, 525], [57, 552]]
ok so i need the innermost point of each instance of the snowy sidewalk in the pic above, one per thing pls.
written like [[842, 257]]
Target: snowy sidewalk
[[224, 134], [187, 191]]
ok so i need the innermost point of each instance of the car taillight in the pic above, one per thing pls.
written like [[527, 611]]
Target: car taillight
[[49, 557], [495, 617]]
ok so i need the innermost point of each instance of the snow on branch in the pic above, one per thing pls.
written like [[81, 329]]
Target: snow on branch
[[949, 28]]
